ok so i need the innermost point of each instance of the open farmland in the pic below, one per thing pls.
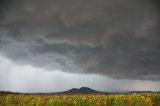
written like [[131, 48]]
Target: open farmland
[[147, 99]]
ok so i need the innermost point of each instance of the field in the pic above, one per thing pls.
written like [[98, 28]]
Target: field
[[81, 100]]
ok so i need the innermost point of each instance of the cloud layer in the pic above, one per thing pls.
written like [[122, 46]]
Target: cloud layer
[[118, 38], [25, 78]]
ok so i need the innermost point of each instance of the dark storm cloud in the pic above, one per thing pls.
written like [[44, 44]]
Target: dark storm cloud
[[118, 38]]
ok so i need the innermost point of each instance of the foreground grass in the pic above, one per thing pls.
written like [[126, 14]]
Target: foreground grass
[[82, 100]]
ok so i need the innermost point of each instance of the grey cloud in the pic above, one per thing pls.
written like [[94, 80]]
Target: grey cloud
[[119, 39]]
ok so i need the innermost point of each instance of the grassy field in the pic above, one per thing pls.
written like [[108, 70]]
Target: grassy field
[[81, 100]]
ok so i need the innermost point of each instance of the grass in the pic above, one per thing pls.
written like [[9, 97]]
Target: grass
[[149, 99]]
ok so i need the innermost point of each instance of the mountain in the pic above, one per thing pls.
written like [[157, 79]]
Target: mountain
[[82, 90]]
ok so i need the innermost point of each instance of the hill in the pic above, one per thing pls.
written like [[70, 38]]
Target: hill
[[82, 90]]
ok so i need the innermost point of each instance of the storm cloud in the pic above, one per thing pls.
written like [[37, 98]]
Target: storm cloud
[[115, 38]]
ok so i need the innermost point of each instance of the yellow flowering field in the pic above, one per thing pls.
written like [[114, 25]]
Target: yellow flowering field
[[81, 100]]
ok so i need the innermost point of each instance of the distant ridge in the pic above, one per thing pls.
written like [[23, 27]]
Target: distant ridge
[[82, 90]]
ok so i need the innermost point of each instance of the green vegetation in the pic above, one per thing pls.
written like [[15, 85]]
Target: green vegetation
[[81, 100]]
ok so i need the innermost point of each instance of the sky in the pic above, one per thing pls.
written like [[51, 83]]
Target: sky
[[56, 45]]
